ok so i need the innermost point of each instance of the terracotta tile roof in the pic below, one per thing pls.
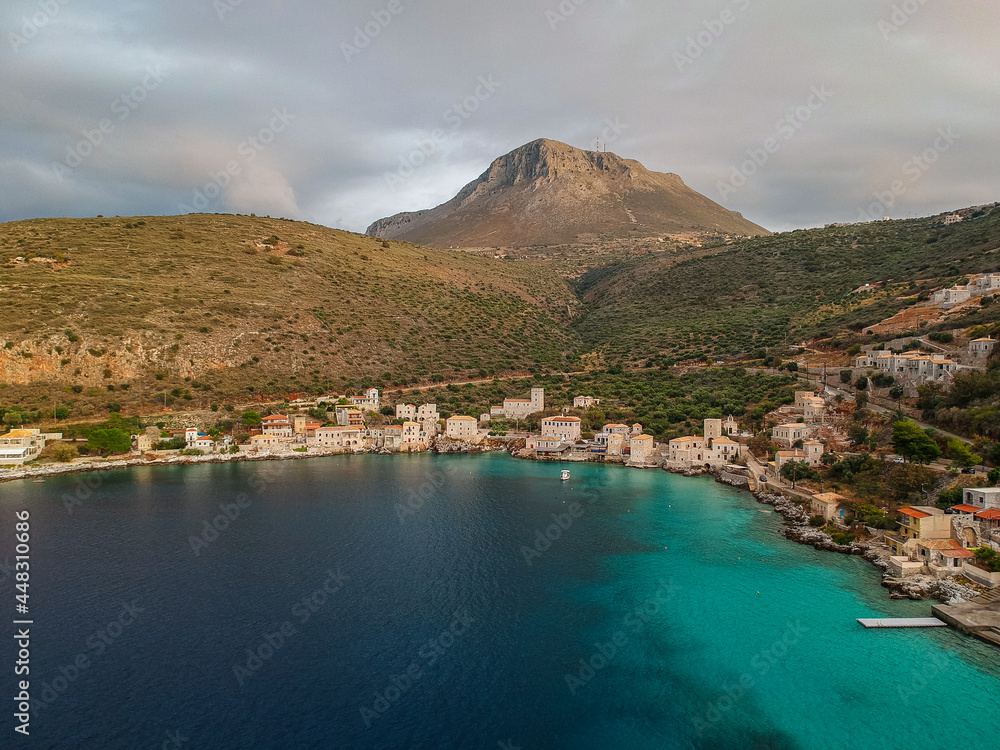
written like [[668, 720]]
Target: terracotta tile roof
[[830, 497], [966, 508], [939, 543], [914, 513], [990, 515], [956, 553]]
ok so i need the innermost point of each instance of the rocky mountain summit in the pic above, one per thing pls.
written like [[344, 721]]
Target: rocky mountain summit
[[548, 193]]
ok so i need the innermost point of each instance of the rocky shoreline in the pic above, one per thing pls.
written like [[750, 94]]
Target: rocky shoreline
[[796, 528]]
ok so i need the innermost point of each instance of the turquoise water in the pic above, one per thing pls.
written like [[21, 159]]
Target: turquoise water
[[702, 626]]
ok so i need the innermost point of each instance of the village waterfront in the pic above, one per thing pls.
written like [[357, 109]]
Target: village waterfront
[[619, 609]]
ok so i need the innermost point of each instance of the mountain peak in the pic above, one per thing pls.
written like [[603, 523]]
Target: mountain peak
[[550, 193]]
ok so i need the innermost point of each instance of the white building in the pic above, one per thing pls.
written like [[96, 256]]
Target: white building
[[369, 401], [585, 402], [984, 498], [948, 298], [564, 428], [276, 425], [18, 447]]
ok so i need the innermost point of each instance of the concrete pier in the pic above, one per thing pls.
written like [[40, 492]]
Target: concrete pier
[[979, 618]]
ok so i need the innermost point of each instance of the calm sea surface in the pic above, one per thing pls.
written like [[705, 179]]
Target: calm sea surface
[[461, 602]]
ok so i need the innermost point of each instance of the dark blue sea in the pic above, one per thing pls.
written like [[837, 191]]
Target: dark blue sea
[[469, 602]]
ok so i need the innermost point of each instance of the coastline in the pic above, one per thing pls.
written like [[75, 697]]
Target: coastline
[[795, 520]]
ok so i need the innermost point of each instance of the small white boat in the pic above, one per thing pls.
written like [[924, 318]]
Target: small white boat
[[565, 475]]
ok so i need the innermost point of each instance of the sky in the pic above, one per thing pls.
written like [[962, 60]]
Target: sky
[[796, 113]]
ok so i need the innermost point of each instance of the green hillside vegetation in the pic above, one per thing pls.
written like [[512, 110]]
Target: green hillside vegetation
[[667, 405], [160, 308], [778, 290]]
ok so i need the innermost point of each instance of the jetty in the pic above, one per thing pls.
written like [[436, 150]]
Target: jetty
[[979, 618], [903, 622]]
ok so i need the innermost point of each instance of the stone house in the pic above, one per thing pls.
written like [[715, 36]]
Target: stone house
[[140, 443], [790, 433], [982, 498], [982, 348], [642, 449], [414, 438], [520, 408], [830, 505], [714, 450], [461, 428], [948, 298], [585, 402], [346, 437]]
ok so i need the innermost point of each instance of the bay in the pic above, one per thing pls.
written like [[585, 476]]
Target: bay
[[464, 602]]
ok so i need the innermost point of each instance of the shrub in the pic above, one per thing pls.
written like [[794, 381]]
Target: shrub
[[817, 521], [64, 453]]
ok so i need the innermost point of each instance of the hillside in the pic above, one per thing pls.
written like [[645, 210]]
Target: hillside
[[248, 304], [779, 290], [548, 193]]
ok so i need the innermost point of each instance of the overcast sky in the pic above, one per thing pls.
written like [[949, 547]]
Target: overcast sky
[[794, 112]]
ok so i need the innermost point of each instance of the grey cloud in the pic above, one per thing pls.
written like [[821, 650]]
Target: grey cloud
[[365, 98]]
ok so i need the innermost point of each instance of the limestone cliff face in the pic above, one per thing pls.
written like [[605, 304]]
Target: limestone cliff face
[[549, 193], [96, 361]]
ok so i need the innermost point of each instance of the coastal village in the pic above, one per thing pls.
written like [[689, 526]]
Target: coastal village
[[925, 551]]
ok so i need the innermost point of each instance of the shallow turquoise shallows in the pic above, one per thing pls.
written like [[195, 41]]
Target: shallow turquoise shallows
[[465, 602]]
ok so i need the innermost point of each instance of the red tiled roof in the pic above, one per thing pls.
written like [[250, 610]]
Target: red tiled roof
[[966, 508], [956, 553], [990, 515], [914, 513]]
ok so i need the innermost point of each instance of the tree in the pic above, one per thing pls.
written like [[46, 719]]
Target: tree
[[961, 455], [63, 453], [913, 443], [251, 418], [994, 477], [861, 399], [857, 434], [761, 445], [111, 440], [797, 470], [61, 412], [987, 557], [950, 497], [905, 479], [845, 376], [896, 393], [861, 383]]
